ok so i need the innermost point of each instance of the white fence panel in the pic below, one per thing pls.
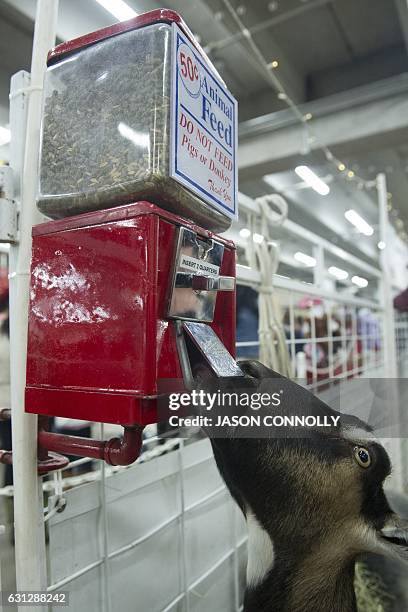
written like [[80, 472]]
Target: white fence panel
[[160, 512]]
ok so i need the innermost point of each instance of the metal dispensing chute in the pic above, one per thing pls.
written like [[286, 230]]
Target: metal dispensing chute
[[137, 172], [196, 281]]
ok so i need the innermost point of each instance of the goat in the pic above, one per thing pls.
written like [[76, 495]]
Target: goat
[[313, 503]]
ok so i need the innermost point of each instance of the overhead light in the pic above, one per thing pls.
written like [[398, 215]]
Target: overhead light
[[338, 273], [307, 260], [359, 223], [381, 245], [258, 238], [316, 183], [244, 232], [341, 167], [359, 281], [274, 64], [118, 9], [5, 135]]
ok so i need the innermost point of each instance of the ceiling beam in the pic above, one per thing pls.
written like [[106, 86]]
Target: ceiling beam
[[365, 124]]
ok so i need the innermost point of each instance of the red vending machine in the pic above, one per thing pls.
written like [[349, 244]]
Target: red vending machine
[[138, 170]]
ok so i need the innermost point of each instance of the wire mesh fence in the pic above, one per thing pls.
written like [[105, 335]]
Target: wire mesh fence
[[164, 535], [327, 340]]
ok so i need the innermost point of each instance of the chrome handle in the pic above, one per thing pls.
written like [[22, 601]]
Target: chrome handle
[[204, 283]]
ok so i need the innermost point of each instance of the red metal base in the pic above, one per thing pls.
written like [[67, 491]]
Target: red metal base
[[47, 462], [52, 462]]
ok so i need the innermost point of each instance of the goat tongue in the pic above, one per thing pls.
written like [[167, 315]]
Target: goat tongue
[[395, 535]]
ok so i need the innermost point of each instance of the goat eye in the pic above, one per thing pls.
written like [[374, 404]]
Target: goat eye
[[362, 456]]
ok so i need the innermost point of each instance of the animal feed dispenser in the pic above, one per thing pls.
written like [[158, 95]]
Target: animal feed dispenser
[[138, 169]]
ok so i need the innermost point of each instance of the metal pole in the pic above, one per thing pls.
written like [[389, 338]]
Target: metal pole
[[319, 271], [104, 527], [390, 355], [393, 445], [28, 507]]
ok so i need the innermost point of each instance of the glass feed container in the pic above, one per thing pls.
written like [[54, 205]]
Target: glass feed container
[[105, 138]]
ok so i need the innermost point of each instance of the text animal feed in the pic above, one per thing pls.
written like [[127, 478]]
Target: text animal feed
[[204, 121]]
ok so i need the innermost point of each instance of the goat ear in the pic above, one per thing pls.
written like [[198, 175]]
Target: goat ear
[[257, 370]]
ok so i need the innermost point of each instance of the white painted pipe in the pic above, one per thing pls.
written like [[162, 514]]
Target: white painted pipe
[[28, 512], [393, 445], [301, 365], [390, 354]]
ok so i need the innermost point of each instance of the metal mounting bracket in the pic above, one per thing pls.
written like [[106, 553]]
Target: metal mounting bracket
[[8, 206]]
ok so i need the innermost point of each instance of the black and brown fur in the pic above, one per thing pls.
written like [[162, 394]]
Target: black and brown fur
[[318, 506]]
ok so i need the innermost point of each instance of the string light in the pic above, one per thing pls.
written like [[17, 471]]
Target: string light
[[275, 82]]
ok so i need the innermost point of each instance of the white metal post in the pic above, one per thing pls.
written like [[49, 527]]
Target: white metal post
[[319, 272], [393, 445], [390, 353], [28, 511]]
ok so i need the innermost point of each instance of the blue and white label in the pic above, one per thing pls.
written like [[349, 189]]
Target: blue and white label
[[204, 129]]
